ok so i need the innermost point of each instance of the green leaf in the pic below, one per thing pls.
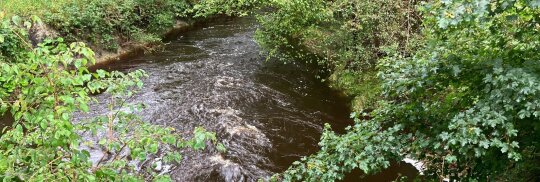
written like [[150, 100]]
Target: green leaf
[[221, 148], [153, 148]]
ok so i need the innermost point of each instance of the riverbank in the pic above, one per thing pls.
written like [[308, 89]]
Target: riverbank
[[347, 39], [46, 82], [451, 88], [115, 29], [133, 50]]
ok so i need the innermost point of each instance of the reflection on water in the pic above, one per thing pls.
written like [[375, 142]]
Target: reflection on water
[[266, 113]]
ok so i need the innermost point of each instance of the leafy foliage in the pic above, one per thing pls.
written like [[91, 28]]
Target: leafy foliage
[[478, 78], [42, 88], [463, 98], [205, 8], [30, 7], [367, 146], [10, 41], [44, 85], [110, 23], [348, 36]]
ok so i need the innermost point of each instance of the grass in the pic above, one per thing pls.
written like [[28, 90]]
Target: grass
[[32, 7]]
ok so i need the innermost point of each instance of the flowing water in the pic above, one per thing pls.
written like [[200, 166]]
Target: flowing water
[[267, 114]]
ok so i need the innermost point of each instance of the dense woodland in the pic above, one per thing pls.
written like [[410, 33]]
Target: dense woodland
[[454, 84]]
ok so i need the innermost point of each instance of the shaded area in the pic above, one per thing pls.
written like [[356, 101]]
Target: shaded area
[[392, 173], [6, 120]]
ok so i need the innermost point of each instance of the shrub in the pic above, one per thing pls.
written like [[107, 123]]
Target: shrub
[[110, 23], [465, 102], [347, 36], [41, 88]]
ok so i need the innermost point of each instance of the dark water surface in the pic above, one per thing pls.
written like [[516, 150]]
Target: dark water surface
[[266, 113]]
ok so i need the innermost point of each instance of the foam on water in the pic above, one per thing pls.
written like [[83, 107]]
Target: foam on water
[[265, 113]]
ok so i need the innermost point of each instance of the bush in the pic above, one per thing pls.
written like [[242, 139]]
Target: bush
[[42, 87], [109, 24], [205, 8], [346, 35], [465, 101]]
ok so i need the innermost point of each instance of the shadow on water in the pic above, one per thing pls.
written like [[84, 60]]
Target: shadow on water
[[266, 113]]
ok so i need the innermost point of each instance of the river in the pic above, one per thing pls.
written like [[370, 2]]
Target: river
[[266, 113]]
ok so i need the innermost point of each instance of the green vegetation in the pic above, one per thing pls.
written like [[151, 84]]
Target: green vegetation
[[456, 84], [44, 83], [31, 7], [109, 25], [203, 8], [348, 36], [43, 86]]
